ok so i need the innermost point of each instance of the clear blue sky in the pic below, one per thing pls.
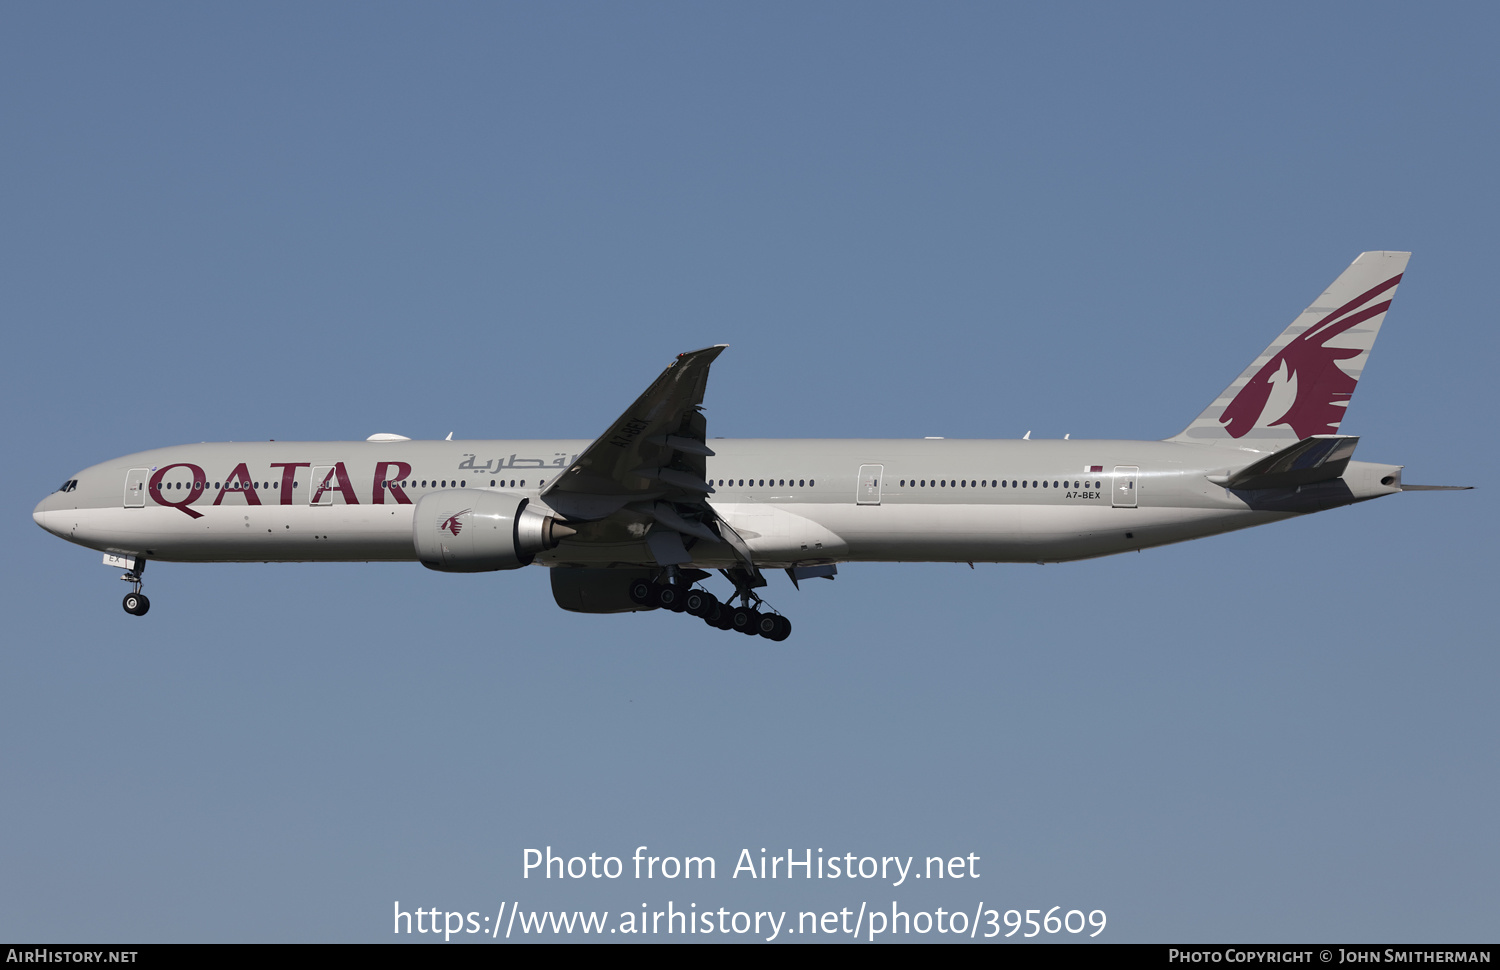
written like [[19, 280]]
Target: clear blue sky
[[972, 220]]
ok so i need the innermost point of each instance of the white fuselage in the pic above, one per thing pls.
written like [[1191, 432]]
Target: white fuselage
[[793, 501]]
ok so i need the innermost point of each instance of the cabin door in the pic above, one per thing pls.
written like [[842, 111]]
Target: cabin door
[[1124, 494]]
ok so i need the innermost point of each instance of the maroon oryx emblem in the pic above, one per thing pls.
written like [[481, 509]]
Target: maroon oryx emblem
[[1323, 389], [452, 524]]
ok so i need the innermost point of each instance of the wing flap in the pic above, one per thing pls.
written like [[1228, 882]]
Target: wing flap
[[672, 519]]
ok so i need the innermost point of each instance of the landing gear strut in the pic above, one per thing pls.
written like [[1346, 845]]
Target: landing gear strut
[[135, 602], [748, 619]]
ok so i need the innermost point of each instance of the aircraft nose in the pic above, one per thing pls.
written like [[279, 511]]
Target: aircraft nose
[[43, 511]]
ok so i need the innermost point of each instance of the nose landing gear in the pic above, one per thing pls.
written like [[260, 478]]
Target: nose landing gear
[[135, 602]]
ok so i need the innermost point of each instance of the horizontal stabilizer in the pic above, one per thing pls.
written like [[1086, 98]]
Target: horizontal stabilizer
[[1436, 488], [1321, 458]]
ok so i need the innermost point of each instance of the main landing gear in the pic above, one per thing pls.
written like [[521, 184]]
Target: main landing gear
[[676, 593], [136, 603]]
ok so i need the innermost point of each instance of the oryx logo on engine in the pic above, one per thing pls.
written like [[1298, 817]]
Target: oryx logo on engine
[[452, 524]]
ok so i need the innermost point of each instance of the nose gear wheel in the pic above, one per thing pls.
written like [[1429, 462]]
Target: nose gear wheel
[[135, 602]]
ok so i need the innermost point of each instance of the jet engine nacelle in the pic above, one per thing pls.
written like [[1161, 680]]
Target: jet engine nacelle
[[470, 530], [597, 590]]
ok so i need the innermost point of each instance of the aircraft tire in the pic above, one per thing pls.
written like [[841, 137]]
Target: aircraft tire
[[136, 604], [640, 592], [671, 598], [781, 628], [744, 620], [699, 602]]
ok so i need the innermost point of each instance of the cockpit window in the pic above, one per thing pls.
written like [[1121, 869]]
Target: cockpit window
[[68, 485]]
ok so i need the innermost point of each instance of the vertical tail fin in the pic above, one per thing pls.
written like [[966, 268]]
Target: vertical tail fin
[[1301, 384]]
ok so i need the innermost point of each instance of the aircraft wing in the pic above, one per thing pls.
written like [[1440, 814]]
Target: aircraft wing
[[653, 453]]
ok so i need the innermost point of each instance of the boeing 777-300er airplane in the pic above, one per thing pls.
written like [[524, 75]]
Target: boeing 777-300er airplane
[[634, 519]]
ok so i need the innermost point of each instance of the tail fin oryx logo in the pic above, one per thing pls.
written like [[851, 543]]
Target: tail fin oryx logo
[[1309, 367], [452, 524], [1301, 385]]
